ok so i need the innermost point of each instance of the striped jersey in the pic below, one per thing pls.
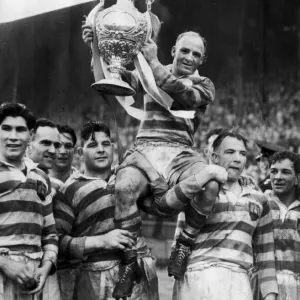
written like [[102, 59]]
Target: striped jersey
[[26, 209], [85, 206], [286, 226], [239, 229], [159, 125]]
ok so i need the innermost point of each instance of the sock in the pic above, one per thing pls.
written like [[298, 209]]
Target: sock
[[193, 224], [174, 201], [133, 224]]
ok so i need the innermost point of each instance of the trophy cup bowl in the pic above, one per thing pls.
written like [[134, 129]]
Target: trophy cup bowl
[[121, 31]]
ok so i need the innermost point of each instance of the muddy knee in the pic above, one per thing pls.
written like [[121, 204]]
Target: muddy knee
[[130, 185], [211, 190]]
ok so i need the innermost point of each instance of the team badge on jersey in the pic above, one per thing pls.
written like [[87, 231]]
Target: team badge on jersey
[[254, 211]]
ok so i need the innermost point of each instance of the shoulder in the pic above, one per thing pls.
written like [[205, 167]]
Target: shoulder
[[259, 196], [55, 183]]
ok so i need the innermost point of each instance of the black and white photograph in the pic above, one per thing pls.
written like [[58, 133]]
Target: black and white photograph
[[149, 150]]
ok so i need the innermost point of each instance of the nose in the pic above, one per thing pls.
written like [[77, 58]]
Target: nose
[[52, 149], [62, 149], [189, 56], [278, 175], [100, 148], [13, 135], [237, 157]]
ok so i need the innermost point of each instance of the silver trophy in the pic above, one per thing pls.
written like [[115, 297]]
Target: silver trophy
[[121, 31]]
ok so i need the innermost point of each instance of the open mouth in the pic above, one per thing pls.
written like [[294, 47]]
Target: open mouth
[[279, 185], [62, 158], [13, 146], [187, 66]]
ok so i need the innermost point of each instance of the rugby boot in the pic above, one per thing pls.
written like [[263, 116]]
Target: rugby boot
[[178, 260], [129, 275]]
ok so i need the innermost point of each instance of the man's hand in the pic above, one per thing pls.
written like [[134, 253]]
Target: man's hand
[[149, 51], [117, 239], [87, 33], [40, 276], [20, 273], [217, 173]]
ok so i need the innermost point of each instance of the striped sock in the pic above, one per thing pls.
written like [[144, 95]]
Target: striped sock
[[174, 201], [193, 224], [133, 224]]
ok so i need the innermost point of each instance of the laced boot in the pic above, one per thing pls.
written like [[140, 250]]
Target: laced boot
[[129, 274], [178, 260]]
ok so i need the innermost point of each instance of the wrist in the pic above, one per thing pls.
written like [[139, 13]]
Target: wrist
[[94, 243], [47, 266], [154, 63], [211, 173]]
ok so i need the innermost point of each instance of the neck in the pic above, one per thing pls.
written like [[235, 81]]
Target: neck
[[105, 174], [174, 71], [18, 163], [62, 175], [287, 198], [233, 186]]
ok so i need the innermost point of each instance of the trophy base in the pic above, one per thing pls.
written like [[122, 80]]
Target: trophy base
[[113, 87]]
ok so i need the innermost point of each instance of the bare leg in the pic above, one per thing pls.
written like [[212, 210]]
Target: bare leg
[[131, 184]]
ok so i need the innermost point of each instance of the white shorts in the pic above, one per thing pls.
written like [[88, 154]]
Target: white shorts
[[213, 283], [288, 285], [159, 155]]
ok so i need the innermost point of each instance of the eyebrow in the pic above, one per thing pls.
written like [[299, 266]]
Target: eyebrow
[[273, 168], [11, 126]]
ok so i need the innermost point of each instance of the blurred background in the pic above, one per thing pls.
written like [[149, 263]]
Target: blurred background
[[253, 60]]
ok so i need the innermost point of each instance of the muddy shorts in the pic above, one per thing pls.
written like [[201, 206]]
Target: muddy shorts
[[169, 161]]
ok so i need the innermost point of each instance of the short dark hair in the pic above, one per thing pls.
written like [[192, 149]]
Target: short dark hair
[[235, 133], [282, 155], [215, 131], [9, 109], [89, 128], [43, 122], [67, 129], [196, 34]]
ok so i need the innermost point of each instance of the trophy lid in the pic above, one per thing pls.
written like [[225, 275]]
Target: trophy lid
[[118, 21]]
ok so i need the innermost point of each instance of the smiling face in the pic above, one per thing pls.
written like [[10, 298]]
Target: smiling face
[[65, 152], [98, 153], [43, 148], [232, 155], [14, 137], [283, 177], [188, 55]]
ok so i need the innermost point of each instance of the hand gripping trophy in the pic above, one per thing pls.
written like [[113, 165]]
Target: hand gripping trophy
[[120, 32]]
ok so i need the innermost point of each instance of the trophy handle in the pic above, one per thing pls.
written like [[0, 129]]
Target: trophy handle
[[156, 26]]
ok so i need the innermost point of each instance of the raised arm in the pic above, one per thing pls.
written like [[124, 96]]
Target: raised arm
[[187, 94]]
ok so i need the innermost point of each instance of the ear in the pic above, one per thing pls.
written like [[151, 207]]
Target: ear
[[173, 51], [28, 148], [80, 152], [215, 158], [76, 150], [205, 151], [297, 182]]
